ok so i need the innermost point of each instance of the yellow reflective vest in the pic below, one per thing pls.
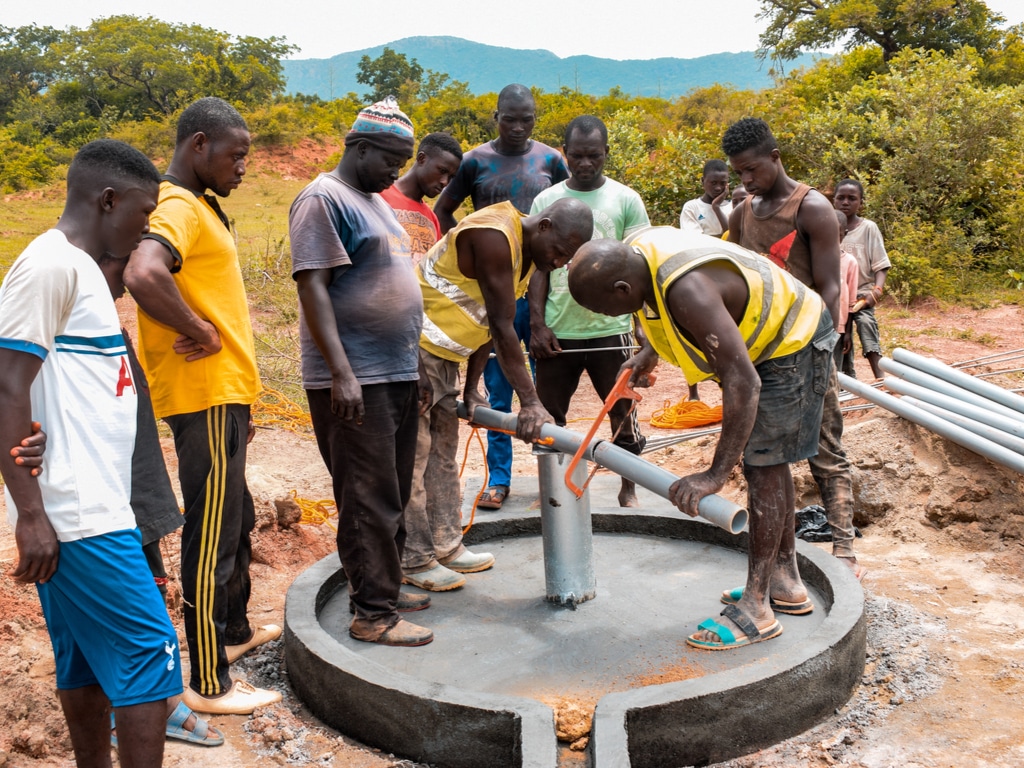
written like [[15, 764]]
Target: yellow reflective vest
[[781, 316], [454, 316]]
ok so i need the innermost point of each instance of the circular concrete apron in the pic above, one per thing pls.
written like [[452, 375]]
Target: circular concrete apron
[[477, 697]]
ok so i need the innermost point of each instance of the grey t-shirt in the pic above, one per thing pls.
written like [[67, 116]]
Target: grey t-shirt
[[377, 301]]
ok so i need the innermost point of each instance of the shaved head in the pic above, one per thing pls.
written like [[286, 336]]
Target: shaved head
[[608, 277], [572, 219]]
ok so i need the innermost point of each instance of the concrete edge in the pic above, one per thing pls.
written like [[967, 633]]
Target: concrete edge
[[426, 722], [692, 722], [714, 718]]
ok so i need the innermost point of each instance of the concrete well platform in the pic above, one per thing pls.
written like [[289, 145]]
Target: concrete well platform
[[479, 695]]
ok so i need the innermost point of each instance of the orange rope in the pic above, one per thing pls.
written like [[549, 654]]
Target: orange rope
[[685, 414], [275, 409], [465, 456], [316, 512]]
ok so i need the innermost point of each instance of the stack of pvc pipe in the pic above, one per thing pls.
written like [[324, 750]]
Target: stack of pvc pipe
[[973, 413]]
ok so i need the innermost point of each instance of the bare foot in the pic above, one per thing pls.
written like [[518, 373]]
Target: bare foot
[[627, 494], [858, 570]]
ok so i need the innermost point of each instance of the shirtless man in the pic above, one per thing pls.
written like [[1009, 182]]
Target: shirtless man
[[795, 227]]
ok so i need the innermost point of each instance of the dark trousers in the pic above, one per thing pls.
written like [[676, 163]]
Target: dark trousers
[[371, 466], [558, 378], [215, 544]]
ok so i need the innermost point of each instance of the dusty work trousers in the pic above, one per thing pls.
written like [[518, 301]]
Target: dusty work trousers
[[831, 471], [371, 468], [215, 544], [433, 515], [558, 378]]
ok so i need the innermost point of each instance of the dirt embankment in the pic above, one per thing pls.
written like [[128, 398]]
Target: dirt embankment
[[943, 542]]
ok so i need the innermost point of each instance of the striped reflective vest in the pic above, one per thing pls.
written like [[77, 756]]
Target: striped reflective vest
[[781, 316], [454, 317]]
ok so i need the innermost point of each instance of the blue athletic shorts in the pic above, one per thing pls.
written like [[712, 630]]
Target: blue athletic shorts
[[790, 406], [108, 623]]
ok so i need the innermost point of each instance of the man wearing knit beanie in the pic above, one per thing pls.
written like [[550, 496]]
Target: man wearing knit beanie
[[361, 313]]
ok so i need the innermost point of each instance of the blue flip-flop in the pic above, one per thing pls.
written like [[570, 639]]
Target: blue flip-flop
[[203, 734], [726, 638], [733, 596]]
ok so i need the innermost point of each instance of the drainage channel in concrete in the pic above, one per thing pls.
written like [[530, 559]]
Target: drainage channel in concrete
[[503, 659]]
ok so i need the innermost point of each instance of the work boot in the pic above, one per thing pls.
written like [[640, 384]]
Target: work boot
[[469, 562], [437, 579], [404, 633], [407, 603]]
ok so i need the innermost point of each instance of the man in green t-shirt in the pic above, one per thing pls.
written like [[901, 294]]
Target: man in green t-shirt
[[567, 339]]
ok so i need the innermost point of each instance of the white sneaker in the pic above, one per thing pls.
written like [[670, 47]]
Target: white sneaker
[[241, 699], [469, 562], [437, 579]]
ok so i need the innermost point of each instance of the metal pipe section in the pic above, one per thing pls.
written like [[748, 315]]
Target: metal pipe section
[[1009, 424], [566, 531], [713, 508], [960, 379], [958, 435], [994, 434], [935, 384]]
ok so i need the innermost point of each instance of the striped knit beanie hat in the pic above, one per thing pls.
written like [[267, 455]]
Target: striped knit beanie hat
[[384, 125]]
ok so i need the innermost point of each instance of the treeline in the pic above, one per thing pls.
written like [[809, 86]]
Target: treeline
[[936, 136]]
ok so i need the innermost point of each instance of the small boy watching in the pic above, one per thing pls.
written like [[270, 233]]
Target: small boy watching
[[709, 213], [864, 242]]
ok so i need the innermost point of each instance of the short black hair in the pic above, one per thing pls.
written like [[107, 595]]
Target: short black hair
[[433, 143], [585, 125], [850, 183], [715, 166], [516, 94], [211, 116], [748, 133], [107, 162]]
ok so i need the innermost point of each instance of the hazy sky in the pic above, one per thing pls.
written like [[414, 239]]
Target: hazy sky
[[641, 29]]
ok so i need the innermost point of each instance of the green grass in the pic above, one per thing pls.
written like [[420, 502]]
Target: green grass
[[259, 212]]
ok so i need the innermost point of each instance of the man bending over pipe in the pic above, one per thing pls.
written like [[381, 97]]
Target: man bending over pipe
[[470, 282], [718, 311]]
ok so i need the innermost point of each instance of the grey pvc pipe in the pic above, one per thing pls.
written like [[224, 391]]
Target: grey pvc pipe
[[987, 416], [960, 379], [713, 508], [958, 435], [994, 434], [566, 531], [935, 384]]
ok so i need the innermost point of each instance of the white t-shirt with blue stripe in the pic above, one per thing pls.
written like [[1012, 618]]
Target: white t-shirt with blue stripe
[[55, 304]]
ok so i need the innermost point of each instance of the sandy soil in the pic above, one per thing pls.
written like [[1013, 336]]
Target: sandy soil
[[942, 541]]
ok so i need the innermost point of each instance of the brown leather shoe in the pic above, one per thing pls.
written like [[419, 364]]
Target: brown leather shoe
[[407, 602], [404, 633]]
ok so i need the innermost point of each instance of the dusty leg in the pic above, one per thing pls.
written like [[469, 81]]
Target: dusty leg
[[770, 499], [87, 711], [140, 734]]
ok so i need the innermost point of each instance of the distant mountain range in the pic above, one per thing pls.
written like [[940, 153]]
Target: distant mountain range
[[488, 68]]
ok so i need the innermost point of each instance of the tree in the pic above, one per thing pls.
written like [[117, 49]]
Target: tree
[[143, 67], [892, 25], [27, 65], [390, 74]]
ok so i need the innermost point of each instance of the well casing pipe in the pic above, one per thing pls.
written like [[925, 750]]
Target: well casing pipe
[[959, 378], [935, 384], [985, 416], [958, 435]]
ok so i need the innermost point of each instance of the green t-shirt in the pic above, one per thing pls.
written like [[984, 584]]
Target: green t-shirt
[[618, 213]]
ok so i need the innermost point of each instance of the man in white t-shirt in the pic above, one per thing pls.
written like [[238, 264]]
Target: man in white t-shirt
[[709, 213], [65, 363], [565, 338]]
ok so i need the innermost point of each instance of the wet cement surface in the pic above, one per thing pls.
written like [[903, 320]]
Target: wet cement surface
[[498, 634]]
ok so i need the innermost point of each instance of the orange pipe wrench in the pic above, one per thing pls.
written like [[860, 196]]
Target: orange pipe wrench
[[619, 391]]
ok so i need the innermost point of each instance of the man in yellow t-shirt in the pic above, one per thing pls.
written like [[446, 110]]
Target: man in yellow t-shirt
[[196, 347], [721, 312]]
